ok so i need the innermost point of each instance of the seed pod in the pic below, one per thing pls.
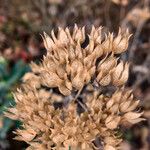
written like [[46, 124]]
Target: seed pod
[[120, 74], [107, 44], [107, 64], [120, 43], [79, 34], [27, 135], [64, 90], [112, 122], [104, 81], [48, 42], [133, 117], [62, 36], [78, 80]]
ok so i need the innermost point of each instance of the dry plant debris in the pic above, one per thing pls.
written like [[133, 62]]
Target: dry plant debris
[[61, 103]]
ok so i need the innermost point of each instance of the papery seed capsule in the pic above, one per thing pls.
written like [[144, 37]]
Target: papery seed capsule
[[104, 81], [120, 43], [107, 64], [107, 44], [112, 122], [48, 42], [62, 36], [120, 74]]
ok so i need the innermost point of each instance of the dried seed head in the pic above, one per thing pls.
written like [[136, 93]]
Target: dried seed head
[[60, 104], [66, 58]]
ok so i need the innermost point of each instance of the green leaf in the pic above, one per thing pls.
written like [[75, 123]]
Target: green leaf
[[7, 124]]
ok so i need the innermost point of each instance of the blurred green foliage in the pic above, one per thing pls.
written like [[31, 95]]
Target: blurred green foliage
[[9, 77]]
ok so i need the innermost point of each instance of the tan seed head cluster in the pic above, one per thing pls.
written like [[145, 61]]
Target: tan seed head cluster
[[61, 102]]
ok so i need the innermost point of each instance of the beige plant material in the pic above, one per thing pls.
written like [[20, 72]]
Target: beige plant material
[[71, 75], [121, 2], [111, 72], [138, 15], [68, 65], [55, 1]]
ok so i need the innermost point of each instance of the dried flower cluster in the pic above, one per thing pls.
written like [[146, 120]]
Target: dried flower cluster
[[61, 103]]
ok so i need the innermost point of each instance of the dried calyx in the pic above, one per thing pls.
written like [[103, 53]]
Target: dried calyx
[[62, 104]]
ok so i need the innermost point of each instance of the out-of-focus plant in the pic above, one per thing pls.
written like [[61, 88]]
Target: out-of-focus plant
[[9, 77]]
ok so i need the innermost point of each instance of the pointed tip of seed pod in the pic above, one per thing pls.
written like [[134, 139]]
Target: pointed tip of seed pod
[[75, 26]]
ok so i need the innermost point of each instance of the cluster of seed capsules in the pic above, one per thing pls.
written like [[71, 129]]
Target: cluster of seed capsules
[[61, 104]]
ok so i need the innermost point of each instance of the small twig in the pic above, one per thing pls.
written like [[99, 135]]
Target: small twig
[[77, 95], [83, 106], [80, 103]]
